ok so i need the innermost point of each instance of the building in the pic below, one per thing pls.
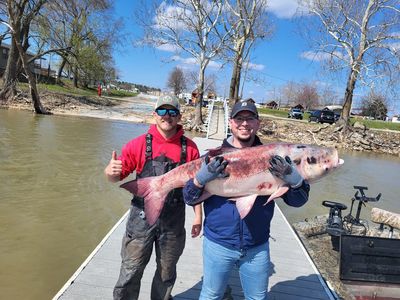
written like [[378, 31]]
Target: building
[[42, 71], [272, 104]]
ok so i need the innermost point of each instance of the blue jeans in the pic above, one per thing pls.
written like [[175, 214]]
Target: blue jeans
[[218, 262]]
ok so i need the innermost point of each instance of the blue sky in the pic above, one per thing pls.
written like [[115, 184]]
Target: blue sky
[[279, 59]]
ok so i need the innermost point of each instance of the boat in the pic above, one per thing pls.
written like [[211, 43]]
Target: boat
[[359, 261]]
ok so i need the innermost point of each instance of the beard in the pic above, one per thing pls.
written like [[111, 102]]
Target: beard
[[244, 140]]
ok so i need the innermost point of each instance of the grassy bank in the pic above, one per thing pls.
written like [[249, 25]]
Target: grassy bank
[[373, 124], [66, 87]]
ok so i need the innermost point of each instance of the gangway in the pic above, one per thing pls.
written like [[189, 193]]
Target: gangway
[[217, 120]]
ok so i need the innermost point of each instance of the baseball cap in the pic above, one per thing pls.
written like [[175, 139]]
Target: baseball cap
[[167, 100], [244, 106]]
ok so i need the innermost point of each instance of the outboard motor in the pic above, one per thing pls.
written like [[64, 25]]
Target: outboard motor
[[334, 225]]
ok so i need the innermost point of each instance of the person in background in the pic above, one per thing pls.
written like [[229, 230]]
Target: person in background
[[163, 148], [99, 90], [229, 240]]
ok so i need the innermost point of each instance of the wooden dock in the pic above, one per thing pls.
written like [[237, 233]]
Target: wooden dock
[[293, 274]]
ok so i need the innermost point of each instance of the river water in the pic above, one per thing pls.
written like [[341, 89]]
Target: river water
[[56, 206]]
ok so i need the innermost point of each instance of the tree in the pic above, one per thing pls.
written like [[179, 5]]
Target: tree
[[248, 23], [289, 93], [308, 96], [328, 96], [192, 27], [20, 15], [210, 81], [177, 81], [360, 39], [374, 105]]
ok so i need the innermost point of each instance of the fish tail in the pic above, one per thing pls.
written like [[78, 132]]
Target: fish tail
[[153, 193]]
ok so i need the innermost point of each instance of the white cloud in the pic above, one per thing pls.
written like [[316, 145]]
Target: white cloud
[[315, 56], [169, 16], [321, 56], [167, 48], [284, 9], [191, 61], [214, 64], [256, 67]]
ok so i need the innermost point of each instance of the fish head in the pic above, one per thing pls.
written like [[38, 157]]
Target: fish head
[[314, 162]]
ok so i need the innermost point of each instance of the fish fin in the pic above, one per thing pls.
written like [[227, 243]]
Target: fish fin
[[244, 204], [153, 194], [279, 192]]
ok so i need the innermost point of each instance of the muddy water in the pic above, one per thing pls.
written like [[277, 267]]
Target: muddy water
[[55, 205]]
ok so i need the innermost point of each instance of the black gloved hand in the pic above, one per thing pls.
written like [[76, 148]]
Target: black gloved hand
[[211, 170], [285, 170]]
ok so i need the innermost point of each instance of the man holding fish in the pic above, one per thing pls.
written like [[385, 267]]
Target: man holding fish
[[230, 236]]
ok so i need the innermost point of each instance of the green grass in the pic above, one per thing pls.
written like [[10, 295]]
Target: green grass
[[67, 88], [273, 112], [374, 124]]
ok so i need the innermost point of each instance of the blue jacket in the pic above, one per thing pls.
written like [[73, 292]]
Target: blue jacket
[[222, 223]]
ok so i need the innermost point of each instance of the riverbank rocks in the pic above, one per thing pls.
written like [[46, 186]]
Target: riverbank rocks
[[272, 129], [355, 138]]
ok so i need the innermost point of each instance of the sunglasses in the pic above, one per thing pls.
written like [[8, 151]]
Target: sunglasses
[[172, 112]]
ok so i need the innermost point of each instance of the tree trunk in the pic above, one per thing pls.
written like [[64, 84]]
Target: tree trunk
[[235, 83], [60, 70], [232, 87], [198, 119], [75, 77], [348, 98], [236, 72], [31, 78], [10, 76]]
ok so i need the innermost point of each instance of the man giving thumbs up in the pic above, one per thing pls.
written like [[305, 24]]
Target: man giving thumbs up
[[153, 154]]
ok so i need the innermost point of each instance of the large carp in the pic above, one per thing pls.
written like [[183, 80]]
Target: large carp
[[249, 175]]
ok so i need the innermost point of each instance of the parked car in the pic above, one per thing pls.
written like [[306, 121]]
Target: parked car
[[322, 116], [337, 117], [295, 113]]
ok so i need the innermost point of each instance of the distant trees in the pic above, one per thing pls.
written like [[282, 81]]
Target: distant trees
[[308, 96], [83, 42], [374, 105], [210, 81], [358, 37], [70, 29], [177, 81]]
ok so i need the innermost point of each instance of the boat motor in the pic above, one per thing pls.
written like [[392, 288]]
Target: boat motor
[[334, 225]]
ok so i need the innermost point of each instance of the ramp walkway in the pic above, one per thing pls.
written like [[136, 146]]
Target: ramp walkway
[[217, 121], [293, 274]]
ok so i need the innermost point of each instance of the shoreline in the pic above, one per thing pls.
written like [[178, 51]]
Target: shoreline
[[139, 110]]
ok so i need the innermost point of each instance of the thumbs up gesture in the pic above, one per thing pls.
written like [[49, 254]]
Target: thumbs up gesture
[[114, 168]]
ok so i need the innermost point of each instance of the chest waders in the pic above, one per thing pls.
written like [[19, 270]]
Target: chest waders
[[167, 234]]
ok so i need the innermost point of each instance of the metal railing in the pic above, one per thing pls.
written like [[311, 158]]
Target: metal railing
[[210, 112], [226, 119]]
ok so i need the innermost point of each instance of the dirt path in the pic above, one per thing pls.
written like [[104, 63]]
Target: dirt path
[[134, 109]]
